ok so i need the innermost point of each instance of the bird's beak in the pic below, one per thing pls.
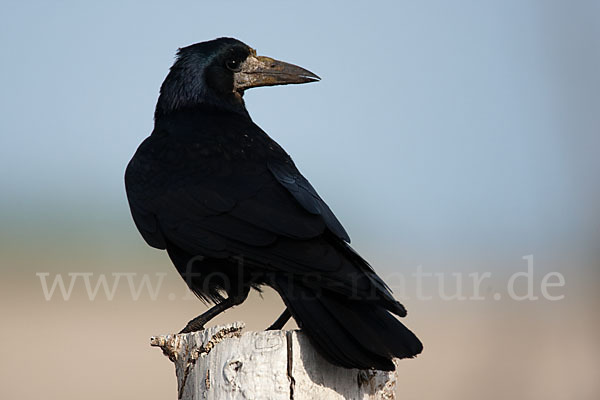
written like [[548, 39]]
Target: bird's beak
[[264, 71]]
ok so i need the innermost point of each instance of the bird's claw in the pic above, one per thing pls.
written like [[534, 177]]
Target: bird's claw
[[189, 328]]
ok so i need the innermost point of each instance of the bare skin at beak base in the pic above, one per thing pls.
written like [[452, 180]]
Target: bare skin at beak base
[[258, 71]]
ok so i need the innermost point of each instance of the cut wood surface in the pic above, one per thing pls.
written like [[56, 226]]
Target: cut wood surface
[[221, 362]]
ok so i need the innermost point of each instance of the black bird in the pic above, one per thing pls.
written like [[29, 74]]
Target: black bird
[[234, 213]]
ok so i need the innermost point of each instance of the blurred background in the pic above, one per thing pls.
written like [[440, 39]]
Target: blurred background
[[450, 138]]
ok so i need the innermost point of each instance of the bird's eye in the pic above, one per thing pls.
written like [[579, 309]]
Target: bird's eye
[[233, 65]]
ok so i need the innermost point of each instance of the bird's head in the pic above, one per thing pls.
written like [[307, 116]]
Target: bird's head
[[217, 73]]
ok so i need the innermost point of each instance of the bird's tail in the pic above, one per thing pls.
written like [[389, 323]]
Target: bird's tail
[[349, 333]]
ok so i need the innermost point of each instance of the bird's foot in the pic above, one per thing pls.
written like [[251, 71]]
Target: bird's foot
[[193, 326], [281, 321]]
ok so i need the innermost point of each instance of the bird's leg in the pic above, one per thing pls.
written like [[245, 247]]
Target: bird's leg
[[281, 321], [197, 324]]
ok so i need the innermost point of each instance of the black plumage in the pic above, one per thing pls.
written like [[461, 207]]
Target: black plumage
[[234, 213]]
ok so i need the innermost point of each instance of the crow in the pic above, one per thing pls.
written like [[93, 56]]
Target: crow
[[234, 213]]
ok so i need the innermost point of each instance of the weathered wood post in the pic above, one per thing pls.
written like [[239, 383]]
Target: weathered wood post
[[223, 363]]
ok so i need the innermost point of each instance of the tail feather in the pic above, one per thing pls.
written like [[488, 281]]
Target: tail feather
[[387, 336], [349, 333], [338, 349]]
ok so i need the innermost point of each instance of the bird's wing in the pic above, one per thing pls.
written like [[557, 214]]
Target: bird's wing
[[263, 209], [209, 205], [300, 188]]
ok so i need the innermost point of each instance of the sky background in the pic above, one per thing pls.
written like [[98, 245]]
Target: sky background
[[435, 125], [456, 136]]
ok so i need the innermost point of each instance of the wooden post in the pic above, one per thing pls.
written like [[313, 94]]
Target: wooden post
[[221, 362]]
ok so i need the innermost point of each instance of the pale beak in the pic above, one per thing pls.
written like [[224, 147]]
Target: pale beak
[[258, 71]]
